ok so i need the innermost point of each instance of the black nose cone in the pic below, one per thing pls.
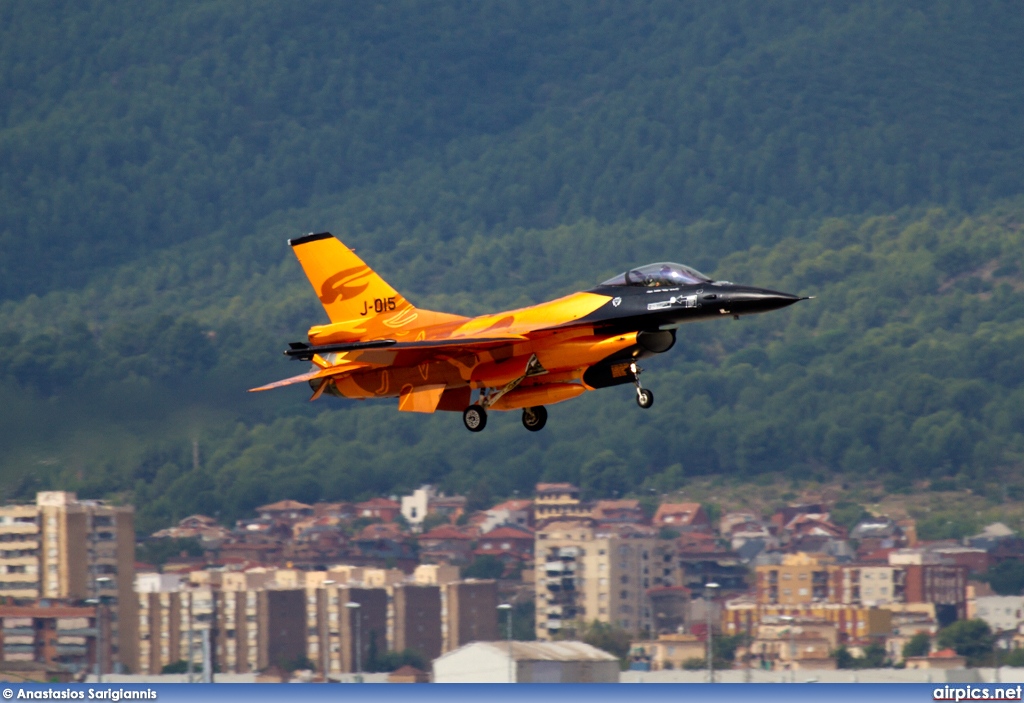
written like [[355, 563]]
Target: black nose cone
[[743, 300]]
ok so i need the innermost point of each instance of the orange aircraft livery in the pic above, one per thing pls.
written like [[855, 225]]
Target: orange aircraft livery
[[379, 345]]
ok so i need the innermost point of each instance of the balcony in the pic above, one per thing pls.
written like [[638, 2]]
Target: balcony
[[13, 631], [77, 632], [72, 650], [19, 649]]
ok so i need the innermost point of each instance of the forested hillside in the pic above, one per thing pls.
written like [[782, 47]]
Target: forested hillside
[[153, 160]]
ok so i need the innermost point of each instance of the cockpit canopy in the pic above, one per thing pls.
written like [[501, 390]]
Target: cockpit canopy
[[665, 274]]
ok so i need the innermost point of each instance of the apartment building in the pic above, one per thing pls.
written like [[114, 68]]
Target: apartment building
[[66, 548], [586, 573], [61, 637], [417, 619], [558, 501], [742, 616], [337, 618], [910, 577], [247, 629], [867, 584], [800, 578], [471, 612]]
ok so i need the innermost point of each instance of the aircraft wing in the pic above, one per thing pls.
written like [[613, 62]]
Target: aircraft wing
[[379, 352], [298, 350]]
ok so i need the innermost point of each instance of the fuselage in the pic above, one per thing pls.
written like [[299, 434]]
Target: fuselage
[[586, 340]]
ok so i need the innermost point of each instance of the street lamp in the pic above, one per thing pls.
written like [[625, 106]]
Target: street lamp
[[507, 607], [359, 645], [325, 643], [708, 595], [792, 650]]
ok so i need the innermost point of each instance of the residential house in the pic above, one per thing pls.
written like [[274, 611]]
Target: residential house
[[381, 509], [619, 511], [682, 516], [287, 511], [445, 544]]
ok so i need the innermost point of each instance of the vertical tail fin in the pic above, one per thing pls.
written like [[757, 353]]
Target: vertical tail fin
[[351, 292], [348, 288]]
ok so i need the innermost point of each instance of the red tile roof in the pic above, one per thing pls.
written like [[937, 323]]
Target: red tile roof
[[379, 503], [445, 532], [508, 532], [283, 505]]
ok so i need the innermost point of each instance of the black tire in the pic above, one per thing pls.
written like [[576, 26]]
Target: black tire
[[535, 418], [645, 398], [474, 418]]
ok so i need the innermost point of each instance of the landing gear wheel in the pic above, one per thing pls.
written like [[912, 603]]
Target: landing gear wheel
[[474, 418], [535, 418], [644, 397]]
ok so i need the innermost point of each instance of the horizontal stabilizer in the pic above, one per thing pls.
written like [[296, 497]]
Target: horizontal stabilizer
[[310, 376]]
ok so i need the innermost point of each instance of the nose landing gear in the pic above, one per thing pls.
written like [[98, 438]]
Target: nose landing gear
[[644, 396]]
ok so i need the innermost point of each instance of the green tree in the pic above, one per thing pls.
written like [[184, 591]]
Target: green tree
[[1006, 577], [847, 514], [605, 636], [970, 638], [1014, 657], [485, 566], [918, 646], [178, 667], [844, 660], [434, 520]]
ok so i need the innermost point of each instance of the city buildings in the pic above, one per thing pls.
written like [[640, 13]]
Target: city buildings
[[70, 549], [586, 573], [64, 638]]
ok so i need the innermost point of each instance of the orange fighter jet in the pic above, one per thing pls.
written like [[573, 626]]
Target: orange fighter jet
[[379, 345]]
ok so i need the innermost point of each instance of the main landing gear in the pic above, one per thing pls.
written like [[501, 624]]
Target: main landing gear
[[535, 418], [475, 418], [644, 396]]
